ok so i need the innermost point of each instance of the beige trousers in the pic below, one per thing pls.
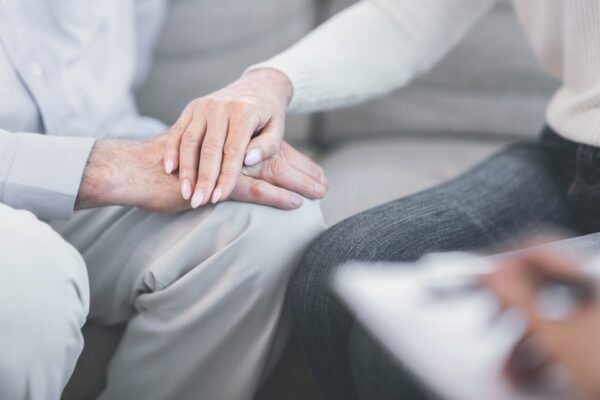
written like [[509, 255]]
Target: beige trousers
[[201, 293]]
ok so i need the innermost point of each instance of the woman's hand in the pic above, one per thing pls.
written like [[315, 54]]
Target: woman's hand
[[569, 340], [213, 137]]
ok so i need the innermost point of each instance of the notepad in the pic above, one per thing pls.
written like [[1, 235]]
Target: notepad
[[455, 341]]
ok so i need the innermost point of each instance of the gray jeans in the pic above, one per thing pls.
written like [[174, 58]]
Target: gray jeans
[[523, 190]]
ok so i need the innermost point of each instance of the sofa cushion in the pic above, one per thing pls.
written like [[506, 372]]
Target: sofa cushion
[[491, 84], [363, 174], [208, 44]]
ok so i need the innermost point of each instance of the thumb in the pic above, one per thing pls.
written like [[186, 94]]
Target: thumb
[[265, 145]]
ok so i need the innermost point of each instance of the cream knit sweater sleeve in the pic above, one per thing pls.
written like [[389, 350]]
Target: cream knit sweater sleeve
[[372, 48]]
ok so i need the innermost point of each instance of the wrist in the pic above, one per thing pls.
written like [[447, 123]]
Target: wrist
[[277, 81], [105, 176]]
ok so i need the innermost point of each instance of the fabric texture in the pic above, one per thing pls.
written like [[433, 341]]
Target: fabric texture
[[68, 71], [483, 89], [44, 303], [363, 52], [201, 294], [524, 190], [373, 172], [377, 46]]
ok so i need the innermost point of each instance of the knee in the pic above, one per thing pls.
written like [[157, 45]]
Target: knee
[[42, 307], [34, 254], [359, 237], [245, 247], [280, 238], [342, 242], [355, 238]]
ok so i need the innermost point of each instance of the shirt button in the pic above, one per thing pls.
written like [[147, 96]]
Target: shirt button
[[36, 69]]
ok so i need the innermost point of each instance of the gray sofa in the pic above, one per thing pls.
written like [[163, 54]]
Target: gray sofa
[[487, 92]]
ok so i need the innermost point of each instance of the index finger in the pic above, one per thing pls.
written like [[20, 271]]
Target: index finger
[[512, 283], [303, 164], [277, 171], [552, 264], [240, 131], [211, 154], [257, 191], [171, 156]]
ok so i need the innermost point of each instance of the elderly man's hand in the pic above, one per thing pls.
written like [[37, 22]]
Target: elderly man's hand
[[212, 139], [130, 173], [570, 339]]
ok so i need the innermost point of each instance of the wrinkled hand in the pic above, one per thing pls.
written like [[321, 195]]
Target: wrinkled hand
[[571, 342], [213, 137], [130, 173], [282, 180]]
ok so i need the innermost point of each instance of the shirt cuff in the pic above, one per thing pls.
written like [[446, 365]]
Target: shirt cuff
[[42, 173]]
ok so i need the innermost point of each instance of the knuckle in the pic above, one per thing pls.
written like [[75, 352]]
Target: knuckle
[[187, 164], [186, 172], [189, 137], [226, 173], [232, 150], [197, 104], [283, 148], [244, 115], [245, 107], [226, 178], [229, 104], [218, 107], [206, 177], [172, 146], [210, 148], [276, 167], [209, 107], [205, 102], [177, 128], [257, 189], [203, 180], [250, 120]]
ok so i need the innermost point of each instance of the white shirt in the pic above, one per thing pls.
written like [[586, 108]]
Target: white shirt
[[68, 70], [377, 46]]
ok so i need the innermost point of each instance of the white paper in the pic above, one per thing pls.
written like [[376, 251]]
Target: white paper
[[455, 343]]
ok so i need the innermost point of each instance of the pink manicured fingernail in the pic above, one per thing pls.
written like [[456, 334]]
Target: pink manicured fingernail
[[186, 189], [197, 199], [253, 157], [296, 200], [216, 196], [169, 166]]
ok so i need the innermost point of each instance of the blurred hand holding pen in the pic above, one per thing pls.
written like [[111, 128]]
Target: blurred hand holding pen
[[559, 299], [518, 325]]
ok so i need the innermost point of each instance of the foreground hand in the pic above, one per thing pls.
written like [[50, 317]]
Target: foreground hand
[[211, 140], [570, 341], [130, 173]]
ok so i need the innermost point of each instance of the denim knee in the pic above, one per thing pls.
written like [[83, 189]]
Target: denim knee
[[310, 284]]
